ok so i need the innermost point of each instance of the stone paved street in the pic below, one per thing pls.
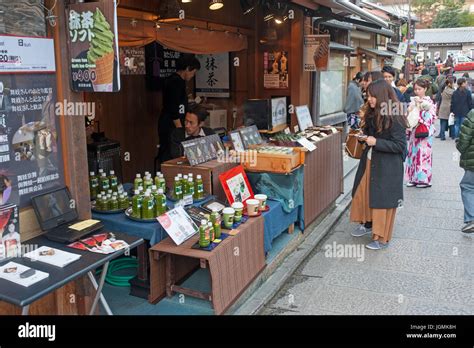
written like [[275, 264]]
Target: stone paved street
[[428, 268]]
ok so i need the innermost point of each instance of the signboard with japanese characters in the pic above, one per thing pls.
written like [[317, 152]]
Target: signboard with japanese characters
[[93, 46], [30, 152], [132, 61], [20, 54], [275, 70], [213, 79]]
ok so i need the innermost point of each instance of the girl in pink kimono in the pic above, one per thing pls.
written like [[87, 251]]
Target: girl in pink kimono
[[418, 171]]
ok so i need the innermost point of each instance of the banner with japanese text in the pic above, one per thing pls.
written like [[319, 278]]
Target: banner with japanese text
[[93, 47], [30, 152], [213, 80]]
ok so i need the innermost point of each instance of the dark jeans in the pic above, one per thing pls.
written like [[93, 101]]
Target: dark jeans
[[444, 128], [457, 125]]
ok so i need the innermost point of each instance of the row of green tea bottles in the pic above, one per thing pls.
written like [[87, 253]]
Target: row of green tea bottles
[[109, 201], [147, 181], [148, 203], [102, 183], [186, 186], [210, 231]]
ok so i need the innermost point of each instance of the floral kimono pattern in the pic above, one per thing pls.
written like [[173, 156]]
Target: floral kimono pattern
[[418, 166]]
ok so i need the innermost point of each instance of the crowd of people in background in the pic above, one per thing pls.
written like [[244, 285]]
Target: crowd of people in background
[[399, 141]]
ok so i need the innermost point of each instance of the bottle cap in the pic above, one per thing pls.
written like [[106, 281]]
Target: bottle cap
[[161, 175], [203, 222], [103, 174], [137, 192], [190, 180], [185, 177], [158, 173], [146, 173], [102, 193], [190, 175], [101, 170], [180, 175], [114, 198], [153, 187], [215, 210], [209, 224], [91, 173], [160, 191], [199, 177], [112, 172], [139, 176], [177, 179], [147, 194]]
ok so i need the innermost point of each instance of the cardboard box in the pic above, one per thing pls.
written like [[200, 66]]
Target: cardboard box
[[209, 171], [9, 231]]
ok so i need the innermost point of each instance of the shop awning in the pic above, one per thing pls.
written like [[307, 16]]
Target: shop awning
[[356, 10], [334, 23], [337, 46], [180, 38], [375, 52]]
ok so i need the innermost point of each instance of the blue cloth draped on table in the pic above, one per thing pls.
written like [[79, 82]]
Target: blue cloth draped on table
[[285, 192]]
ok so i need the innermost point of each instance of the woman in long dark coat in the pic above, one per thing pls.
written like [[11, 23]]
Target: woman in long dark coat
[[378, 186]]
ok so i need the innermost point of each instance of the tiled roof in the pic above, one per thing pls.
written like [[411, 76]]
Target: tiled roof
[[444, 35]]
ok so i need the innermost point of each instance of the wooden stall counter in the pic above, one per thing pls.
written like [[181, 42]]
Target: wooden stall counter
[[209, 171], [233, 265]]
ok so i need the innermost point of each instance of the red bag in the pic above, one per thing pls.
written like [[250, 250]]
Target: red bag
[[422, 131]]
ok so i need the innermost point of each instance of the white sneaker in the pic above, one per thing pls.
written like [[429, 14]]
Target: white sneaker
[[411, 184], [361, 231]]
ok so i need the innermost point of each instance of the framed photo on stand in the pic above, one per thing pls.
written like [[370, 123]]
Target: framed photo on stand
[[236, 185]]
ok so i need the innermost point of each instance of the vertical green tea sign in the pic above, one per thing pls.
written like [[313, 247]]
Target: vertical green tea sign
[[93, 47]]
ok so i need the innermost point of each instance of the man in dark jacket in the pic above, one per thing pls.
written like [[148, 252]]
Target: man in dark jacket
[[193, 129], [354, 101], [465, 145], [461, 104]]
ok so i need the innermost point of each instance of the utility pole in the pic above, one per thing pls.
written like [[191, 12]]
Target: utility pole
[[408, 53]]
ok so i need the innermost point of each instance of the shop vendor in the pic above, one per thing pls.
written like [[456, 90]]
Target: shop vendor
[[175, 102], [193, 128]]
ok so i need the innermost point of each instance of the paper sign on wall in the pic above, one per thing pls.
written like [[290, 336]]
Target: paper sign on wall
[[213, 80]]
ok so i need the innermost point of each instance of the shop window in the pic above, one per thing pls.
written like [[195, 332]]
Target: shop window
[[332, 86]]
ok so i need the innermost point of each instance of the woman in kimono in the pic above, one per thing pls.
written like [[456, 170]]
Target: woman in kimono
[[419, 162]]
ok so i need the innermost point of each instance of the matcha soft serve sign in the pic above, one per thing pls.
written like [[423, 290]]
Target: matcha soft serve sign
[[93, 46]]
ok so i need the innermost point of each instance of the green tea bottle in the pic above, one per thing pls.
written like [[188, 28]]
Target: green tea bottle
[[98, 202], [123, 202], [108, 205], [93, 185], [138, 182], [199, 188], [148, 207], [203, 234], [148, 182], [157, 178], [104, 182], [114, 205], [162, 182], [113, 181], [178, 189], [184, 183], [190, 187], [137, 205], [212, 236], [160, 206], [217, 230]]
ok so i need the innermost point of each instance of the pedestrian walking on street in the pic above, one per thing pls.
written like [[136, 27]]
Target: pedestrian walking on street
[[420, 149], [461, 104], [378, 185], [354, 101], [465, 145], [445, 109], [369, 77], [389, 75]]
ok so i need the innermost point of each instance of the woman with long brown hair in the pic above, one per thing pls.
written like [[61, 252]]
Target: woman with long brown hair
[[378, 186]]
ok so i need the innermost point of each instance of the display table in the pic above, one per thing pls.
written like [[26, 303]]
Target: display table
[[323, 177], [58, 277], [233, 265], [152, 233], [277, 221]]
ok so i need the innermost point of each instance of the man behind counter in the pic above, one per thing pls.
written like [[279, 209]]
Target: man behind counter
[[193, 128], [175, 102]]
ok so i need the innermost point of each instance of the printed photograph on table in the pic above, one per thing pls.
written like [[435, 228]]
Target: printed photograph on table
[[250, 136], [303, 115], [236, 185], [178, 224], [237, 142], [10, 245]]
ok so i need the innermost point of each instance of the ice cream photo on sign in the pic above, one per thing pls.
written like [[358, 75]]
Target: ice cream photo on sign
[[101, 54]]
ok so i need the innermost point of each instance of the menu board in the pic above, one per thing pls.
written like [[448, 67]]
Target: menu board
[[178, 224], [30, 152], [93, 46]]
